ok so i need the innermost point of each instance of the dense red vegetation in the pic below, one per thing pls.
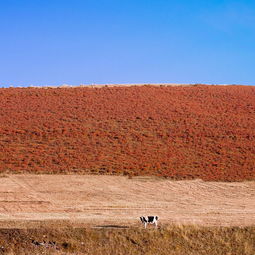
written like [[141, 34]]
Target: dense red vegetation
[[202, 131]]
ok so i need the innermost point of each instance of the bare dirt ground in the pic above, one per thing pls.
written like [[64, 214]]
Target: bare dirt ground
[[117, 200]]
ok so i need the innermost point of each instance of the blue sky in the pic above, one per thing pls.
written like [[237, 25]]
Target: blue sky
[[54, 42]]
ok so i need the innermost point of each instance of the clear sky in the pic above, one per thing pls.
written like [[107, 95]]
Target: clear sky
[[54, 42]]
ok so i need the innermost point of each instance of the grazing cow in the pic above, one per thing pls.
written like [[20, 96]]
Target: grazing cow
[[149, 220]]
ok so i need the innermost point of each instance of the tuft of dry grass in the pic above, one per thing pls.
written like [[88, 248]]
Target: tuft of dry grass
[[177, 240]]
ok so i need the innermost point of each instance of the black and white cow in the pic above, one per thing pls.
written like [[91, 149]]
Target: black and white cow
[[149, 220]]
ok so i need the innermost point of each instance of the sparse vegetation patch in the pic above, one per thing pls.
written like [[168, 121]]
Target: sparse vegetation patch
[[174, 240]]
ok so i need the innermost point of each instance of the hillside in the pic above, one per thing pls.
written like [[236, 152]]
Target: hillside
[[190, 132]]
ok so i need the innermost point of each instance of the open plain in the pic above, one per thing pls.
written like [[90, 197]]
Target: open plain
[[92, 200]]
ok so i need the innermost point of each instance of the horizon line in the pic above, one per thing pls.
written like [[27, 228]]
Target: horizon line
[[102, 85]]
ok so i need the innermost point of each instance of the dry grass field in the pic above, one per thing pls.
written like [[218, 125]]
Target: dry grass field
[[99, 215], [172, 240], [93, 200]]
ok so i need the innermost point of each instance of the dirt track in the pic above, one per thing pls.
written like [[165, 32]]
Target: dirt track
[[95, 200]]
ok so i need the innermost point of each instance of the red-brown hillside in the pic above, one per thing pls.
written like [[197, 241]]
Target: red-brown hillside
[[202, 131]]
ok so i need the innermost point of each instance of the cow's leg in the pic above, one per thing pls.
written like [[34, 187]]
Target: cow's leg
[[145, 224], [156, 224]]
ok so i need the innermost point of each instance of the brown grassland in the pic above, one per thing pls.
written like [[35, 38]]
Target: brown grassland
[[100, 215], [171, 240], [99, 200]]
